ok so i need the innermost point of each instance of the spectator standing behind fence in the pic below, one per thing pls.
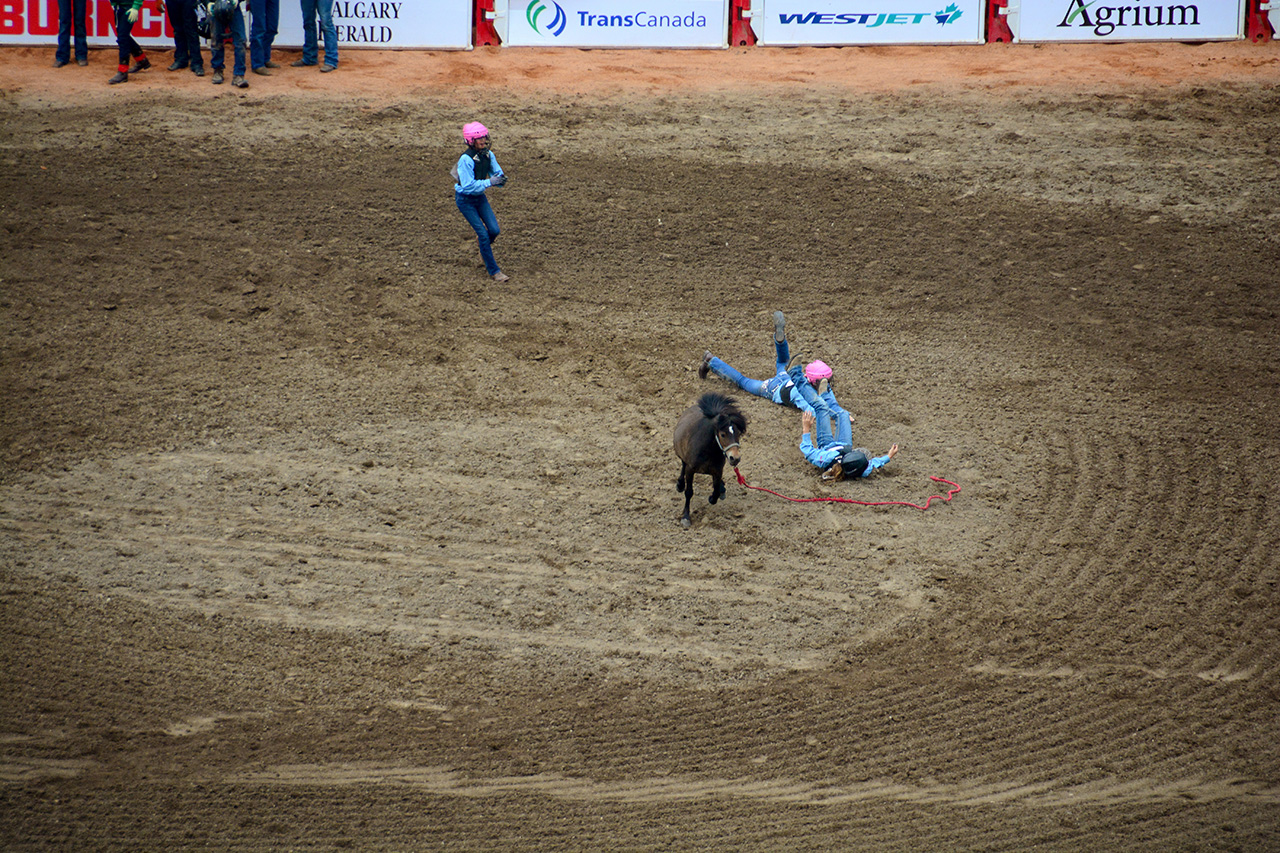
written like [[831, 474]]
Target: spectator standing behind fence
[[71, 15], [127, 13], [477, 170], [310, 52], [186, 38], [262, 34], [225, 19]]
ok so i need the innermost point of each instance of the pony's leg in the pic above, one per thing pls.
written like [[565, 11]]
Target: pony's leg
[[680, 479], [688, 496], [717, 488]]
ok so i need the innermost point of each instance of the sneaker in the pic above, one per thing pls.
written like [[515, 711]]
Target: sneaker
[[779, 326], [500, 276], [262, 69], [705, 367], [217, 76], [197, 70], [177, 66], [121, 77], [301, 63], [326, 68], [141, 65], [239, 82], [271, 64]]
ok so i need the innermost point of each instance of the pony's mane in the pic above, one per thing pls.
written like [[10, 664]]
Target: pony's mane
[[717, 406]]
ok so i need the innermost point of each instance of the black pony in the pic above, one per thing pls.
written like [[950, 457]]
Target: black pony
[[706, 435]]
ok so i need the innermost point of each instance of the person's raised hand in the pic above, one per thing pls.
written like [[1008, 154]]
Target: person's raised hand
[[893, 451]]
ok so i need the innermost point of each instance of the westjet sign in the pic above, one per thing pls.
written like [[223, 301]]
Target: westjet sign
[[832, 22]]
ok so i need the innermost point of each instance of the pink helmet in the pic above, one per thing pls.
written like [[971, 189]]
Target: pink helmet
[[815, 371], [473, 131]]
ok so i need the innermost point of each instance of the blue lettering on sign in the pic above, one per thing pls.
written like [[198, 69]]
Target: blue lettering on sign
[[643, 19], [949, 15]]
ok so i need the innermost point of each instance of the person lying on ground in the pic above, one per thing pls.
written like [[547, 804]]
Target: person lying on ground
[[807, 387], [837, 460]]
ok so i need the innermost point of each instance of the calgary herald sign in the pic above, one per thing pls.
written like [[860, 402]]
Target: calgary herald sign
[[856, 22], [1118, 21], [438, 24], [612, 23]]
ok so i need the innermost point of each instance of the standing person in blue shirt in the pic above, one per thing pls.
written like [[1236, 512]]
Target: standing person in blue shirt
[[838, 461], [804, 387], [310, 49], [265, 23], [477, 170]]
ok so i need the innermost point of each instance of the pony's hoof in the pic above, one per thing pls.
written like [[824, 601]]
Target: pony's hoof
[[685, 522]]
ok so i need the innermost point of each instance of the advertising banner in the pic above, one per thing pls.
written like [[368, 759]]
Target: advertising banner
[[438, 24], [791, 23], [1109, 20], [613, 23]]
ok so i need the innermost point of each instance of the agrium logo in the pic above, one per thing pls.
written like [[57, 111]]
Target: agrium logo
[[949, 15], [537, 9], [1105, 20]]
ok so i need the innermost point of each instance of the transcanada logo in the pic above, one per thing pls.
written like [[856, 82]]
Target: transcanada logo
[[1104, 20], [538, 11], [533, 14], [949, 15]]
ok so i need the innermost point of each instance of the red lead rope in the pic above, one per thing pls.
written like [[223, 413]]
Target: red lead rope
[[742, 481]]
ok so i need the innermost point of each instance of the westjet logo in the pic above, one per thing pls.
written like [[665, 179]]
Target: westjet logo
[[949, 15]]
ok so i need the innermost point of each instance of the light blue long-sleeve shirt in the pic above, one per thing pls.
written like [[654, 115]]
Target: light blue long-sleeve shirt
[[825, 457], [467, 183]]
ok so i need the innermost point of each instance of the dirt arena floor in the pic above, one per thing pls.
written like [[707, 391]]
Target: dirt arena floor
[[314, 538]]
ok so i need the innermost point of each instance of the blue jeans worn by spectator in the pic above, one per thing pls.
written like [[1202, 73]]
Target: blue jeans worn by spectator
[[479, 215], [217, 47], [310, 53], [71, 16], [186, 38], [262, 32]]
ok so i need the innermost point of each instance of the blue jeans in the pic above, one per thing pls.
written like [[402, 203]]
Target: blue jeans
[[218, 49], [479, 215], [822, 437], [323, 8], [262, 32], [186, 38], [71, 15], [767, 388]]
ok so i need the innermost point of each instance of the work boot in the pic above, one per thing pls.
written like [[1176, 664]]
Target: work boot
[[239, 82], [141, 65], [779, 326], [822, 387], [705, 367], [271, 63], [176, 66], [197, 70], [217, 76], [263, 70], [796, 359], [500, 276], [121, 77]]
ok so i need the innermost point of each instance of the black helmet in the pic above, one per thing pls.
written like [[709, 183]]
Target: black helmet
[[853, 463], [221, 9]]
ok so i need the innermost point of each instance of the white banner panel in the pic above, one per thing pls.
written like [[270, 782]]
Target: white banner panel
[[1116, 20], [613, 23], [853, 22], [437, 24]]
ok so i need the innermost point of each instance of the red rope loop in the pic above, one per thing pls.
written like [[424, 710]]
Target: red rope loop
[[955, 489]]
